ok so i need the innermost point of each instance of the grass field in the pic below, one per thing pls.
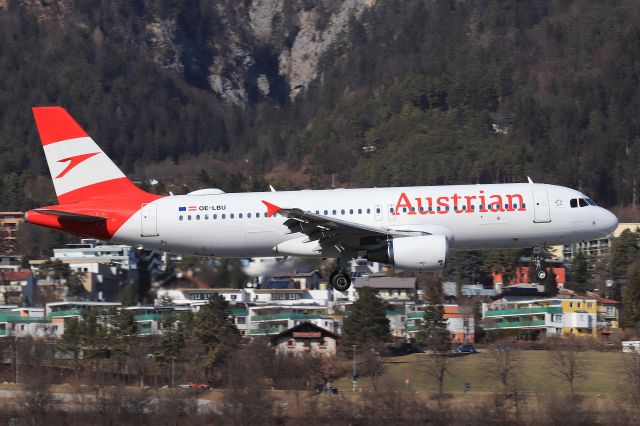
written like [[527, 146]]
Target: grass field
[[603, 373]]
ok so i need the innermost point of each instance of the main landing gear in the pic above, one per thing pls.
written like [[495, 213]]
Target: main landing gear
[[340, 279], [538, 263]]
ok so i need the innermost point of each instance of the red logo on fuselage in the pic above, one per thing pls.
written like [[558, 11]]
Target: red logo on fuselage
[[74, 161], [460, 204]]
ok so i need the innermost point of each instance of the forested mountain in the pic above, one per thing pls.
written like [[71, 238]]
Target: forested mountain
[[303, 93]]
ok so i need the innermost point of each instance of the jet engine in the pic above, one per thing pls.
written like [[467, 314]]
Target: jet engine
[[423, 253]]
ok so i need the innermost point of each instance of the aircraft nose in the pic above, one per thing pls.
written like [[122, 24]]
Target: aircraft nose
[[607, 221]]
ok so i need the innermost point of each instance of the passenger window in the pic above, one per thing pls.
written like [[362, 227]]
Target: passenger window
[[257, 214], [206, 217], [391, 210], [231, 216], [359, 211], [326, 212], [413, 209], [240, 216], [189, 217], [378, 210], [404, 209], [317, 211], [421, 208], [181, 217], [573, 203], [342, 211], [583, 202], [215, 216], [368, 211], [350, 211], [224, 216], [249, 215], [334, 212], [197, 217]]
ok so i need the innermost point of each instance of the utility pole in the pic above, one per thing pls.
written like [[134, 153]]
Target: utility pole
[[173, 359], [355, 373]]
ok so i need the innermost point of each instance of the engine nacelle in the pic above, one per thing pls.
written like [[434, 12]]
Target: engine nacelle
[[423, 253]]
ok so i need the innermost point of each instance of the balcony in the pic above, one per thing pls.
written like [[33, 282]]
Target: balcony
[[266, 330], [514, 324], [66, 313], [147, 317], [285, 316], [524, 311]]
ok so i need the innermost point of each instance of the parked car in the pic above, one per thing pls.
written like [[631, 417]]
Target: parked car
[[466, 349], [320, 388], [191, 385]]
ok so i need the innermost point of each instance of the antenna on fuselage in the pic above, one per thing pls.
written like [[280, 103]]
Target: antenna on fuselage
[[272, 188], [529, 179]]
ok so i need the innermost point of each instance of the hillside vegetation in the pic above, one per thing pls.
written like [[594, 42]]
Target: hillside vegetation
[[411, 92]]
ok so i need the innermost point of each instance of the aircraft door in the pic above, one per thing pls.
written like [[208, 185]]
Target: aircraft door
[[149, 218], [541, 211]]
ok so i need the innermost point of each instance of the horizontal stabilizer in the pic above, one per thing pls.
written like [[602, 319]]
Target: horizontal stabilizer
[[78, 217]]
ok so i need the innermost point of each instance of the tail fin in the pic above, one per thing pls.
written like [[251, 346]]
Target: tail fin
[[79, 168]]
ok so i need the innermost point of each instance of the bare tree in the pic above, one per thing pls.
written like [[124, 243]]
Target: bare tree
[[36, 399], [437, 366], [632, 376], [568, 363], [502, 366], [176, 407]]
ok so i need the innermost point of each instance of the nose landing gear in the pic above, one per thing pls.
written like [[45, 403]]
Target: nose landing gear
[[538, 262]]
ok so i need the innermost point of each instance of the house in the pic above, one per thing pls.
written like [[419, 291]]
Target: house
[[521, 272], [9, 223], [535, 317], [273, 319], [302, 280], [461, 322], [608, 313], [15, 287], [10, 262], [305, 338], [189, 296], [392, 289], [592, 248]]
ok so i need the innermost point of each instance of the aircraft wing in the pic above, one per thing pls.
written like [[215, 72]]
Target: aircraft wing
[[330, 231]]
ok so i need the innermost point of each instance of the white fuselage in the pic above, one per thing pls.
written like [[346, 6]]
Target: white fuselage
[[236, 225]]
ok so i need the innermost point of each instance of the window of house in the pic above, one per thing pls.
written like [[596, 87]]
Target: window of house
[[241, 320], [234, 297]]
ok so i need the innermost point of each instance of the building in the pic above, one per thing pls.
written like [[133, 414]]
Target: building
[[187, 296], [608, 313], [302, 280], [305, 338], [10, 262], [594, 248], [461, 322], [9, 223], [16, 287], [391, 289], [533, 318], [521, 273], [267, 320]]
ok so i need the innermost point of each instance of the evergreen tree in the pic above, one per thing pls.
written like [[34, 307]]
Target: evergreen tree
[[71, 341], [366, 321], [580, 272], [631, 298], [215, 330], [624, 251], [550, 284], [434, 335]]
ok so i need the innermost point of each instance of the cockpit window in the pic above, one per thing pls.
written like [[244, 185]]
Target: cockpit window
[[583, 202], [573, 203], [590, 201]]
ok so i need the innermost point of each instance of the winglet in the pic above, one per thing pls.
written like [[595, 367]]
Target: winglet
[[271, 208]]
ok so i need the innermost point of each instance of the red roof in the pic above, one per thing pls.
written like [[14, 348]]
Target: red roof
[[605, 300], [14, 275]]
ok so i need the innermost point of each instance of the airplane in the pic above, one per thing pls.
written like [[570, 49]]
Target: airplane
[[408, 228]]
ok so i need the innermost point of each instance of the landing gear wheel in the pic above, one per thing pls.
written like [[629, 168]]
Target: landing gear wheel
[[340, 281], [538, 263], [541, 275]]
